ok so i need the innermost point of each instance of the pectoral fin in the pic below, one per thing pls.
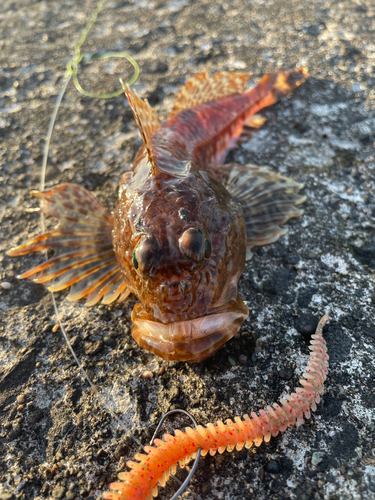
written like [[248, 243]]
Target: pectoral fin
[[84, 257], [268, 200]]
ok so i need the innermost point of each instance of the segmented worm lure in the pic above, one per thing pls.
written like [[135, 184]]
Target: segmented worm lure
[[162, 458]]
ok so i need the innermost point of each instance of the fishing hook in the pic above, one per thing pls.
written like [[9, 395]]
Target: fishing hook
[[184, 485]]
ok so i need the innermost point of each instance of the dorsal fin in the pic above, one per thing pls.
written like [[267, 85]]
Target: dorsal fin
[[201, 88], [146, 118]]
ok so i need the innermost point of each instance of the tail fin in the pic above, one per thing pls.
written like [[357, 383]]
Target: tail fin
[[274, 86], [84, 257]]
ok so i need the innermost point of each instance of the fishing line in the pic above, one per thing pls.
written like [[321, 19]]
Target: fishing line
[[184, 485], [72, 68], [42, 220], [72, 71]]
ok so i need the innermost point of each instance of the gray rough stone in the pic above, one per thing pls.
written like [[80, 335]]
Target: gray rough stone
[[6, 495], [317, 457], [58, 492]]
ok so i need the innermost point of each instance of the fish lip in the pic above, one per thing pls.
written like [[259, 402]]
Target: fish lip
[[192, 340]]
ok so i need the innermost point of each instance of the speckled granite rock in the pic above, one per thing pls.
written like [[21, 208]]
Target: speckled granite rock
[[55, 440]]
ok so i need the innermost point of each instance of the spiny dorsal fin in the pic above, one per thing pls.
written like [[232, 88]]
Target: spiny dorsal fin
[[201, 88], [146, 118]]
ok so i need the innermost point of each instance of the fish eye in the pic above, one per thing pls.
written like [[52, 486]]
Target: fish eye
[[146, 255], [135, 260], [195, 245]]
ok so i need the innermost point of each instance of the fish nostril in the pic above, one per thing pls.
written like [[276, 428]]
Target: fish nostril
[[185, 287], [168, 291]]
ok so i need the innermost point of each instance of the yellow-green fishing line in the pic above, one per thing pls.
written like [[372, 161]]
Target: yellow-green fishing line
[[72, 66]]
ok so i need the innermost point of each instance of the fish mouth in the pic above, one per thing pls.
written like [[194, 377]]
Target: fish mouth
[[193, 340]]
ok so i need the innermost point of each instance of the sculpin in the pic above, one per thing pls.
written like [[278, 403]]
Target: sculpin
[[184, 222]]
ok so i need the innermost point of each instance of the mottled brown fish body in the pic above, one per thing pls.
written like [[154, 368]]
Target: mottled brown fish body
[[176, 289], [184, 222]]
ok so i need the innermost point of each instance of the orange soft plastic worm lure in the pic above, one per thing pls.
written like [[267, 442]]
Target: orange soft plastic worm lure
[[162, 458]]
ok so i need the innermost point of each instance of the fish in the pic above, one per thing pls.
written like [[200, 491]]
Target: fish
[[184, 222]]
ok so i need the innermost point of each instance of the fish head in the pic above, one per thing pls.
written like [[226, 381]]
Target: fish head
[[181, 245]]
